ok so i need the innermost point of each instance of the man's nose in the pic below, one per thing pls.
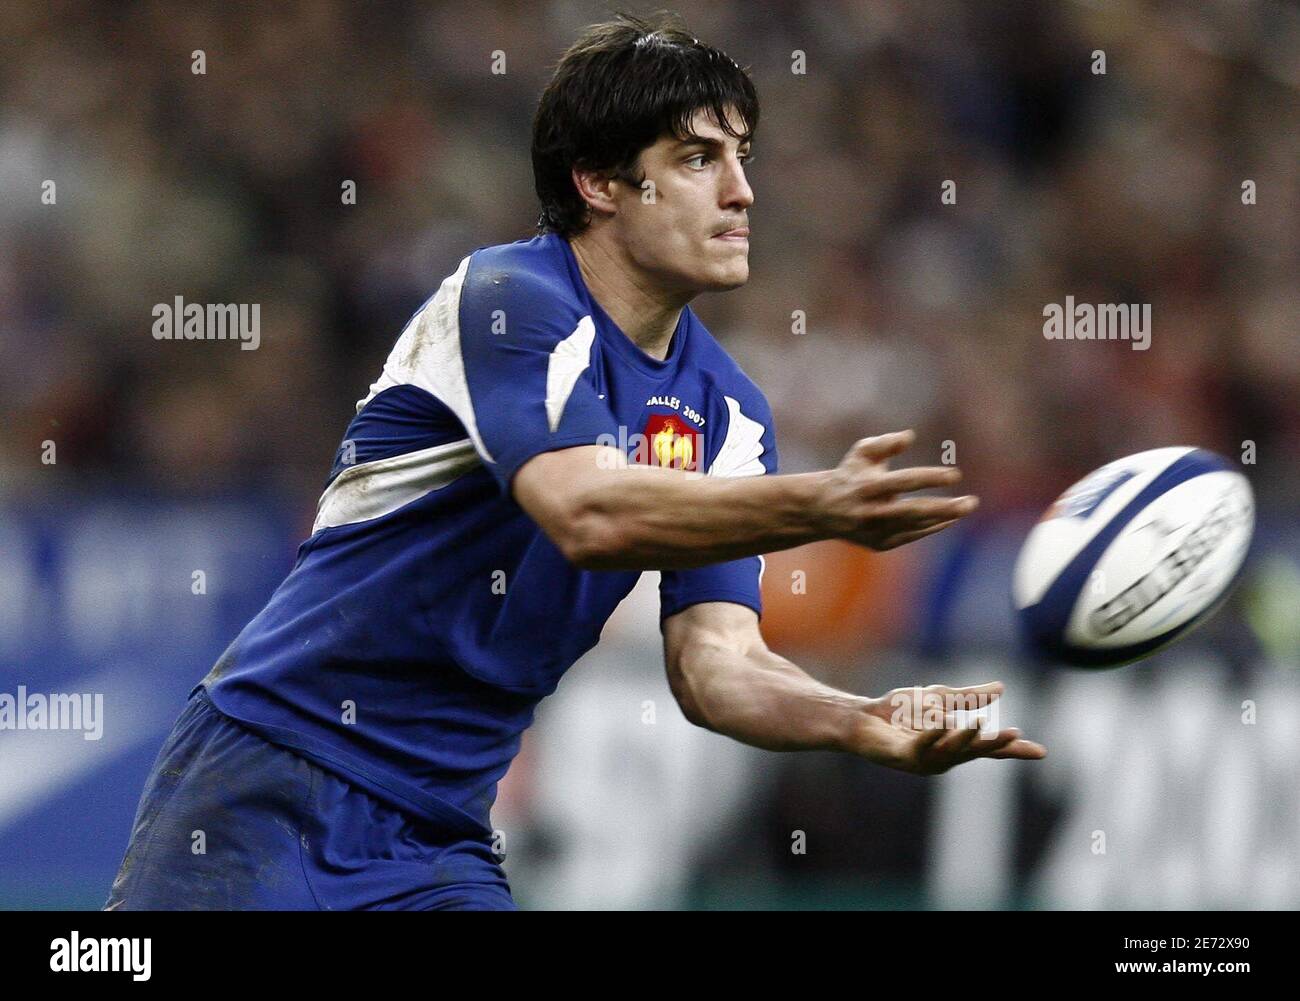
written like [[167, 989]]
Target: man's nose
[[736, 192]]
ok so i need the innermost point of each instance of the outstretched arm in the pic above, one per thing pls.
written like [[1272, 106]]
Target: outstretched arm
[[726, 679], [605, 514]]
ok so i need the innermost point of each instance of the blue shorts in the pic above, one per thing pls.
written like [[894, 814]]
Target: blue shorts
[[229, 821]]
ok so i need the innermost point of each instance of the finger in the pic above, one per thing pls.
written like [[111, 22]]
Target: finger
[[996, 741], [993, 689], [1026, 750], [901, 481], [982, 747], [972, 703], [885, 446], [957, 743], [930, 736], [915, 513], [903, 538]]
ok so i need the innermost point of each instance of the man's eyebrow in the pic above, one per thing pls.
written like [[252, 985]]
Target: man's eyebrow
[[709, 141]]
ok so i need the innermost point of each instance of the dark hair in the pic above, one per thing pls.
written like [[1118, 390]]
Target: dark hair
[[617, 90]]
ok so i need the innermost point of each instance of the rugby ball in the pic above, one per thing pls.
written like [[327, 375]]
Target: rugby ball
[[1133, 556]]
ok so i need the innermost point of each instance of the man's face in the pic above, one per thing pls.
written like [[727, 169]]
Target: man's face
[[691, 231]]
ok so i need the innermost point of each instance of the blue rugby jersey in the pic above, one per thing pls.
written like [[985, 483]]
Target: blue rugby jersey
[[428, 614]]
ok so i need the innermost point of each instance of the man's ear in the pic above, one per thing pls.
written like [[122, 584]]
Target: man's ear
[[597, 189]]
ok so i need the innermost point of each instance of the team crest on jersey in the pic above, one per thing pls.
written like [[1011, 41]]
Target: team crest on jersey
[[672, 443]]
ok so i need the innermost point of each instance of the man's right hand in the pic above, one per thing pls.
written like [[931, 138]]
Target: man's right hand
[[863, 498]]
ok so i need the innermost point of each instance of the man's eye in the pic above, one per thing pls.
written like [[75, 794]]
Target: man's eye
[[699, 160]]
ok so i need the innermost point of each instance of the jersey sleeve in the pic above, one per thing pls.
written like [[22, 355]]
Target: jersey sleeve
[[748, 449], [526, 356]]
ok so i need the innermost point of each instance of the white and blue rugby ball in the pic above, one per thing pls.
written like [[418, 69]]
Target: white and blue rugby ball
[[1133, 556]]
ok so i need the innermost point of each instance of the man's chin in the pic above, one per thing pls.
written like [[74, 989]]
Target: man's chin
[[726, 279], [712, 276]]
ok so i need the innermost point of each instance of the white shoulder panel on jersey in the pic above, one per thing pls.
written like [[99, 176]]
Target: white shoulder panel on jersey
[[568, 361], [740, 453], [428, 355], [741, 449], [373, 489]]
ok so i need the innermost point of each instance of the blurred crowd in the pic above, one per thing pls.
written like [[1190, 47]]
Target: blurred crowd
[[227, 186]]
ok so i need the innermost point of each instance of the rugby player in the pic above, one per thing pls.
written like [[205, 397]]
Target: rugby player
[[552, 422]]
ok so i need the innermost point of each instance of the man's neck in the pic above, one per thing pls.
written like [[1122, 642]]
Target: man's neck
[[646, 314]]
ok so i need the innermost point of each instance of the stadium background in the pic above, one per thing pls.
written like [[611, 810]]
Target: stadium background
[[175, 457]]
